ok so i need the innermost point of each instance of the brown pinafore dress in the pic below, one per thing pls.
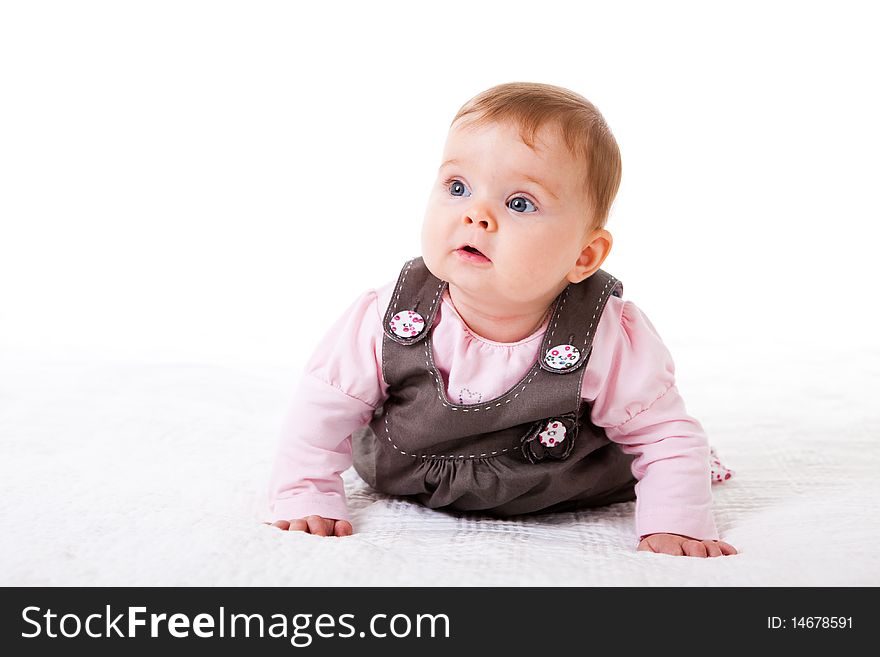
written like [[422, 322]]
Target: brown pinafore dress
[[533, 449]]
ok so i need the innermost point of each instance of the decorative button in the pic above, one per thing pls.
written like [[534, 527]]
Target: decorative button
[[562, 356], [407, 323], [553, 434], [550, 438]]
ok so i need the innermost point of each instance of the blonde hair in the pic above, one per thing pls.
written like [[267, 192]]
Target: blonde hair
[[531, 105]]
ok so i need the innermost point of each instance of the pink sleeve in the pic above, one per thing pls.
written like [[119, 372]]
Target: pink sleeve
[[630, 379], [341, 385]]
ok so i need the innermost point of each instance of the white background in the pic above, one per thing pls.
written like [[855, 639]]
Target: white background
[[216, 181], [191, 192]]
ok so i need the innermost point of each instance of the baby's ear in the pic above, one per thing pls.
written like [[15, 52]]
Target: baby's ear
[[597, 246]]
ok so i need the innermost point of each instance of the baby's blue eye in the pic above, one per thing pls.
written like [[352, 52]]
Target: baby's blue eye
[[519, 202], [456, 187]]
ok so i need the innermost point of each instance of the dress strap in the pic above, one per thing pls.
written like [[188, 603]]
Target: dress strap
[[569, 336], [414, 302]]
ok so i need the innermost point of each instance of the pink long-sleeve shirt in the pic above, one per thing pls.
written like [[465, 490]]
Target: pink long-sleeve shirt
[[629, 379]]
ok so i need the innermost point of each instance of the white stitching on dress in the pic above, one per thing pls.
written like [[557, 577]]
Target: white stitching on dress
[[429, 364], [393, 307], [434, 302], [434, 456], [556, 320], [602, 296], [596, 310]]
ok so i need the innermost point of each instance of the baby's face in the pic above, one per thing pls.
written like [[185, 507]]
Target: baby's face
[[525, 211]]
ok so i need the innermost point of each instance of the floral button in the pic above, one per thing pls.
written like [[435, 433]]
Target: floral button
[[407, 323], [553, 434], [562, 356], [551, 438]]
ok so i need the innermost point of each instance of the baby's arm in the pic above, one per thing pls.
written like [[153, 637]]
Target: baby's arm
[[313, 450], [637, 402], [341, 386], [673, 494]]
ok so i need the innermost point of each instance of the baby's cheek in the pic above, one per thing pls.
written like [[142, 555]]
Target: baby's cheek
[[520, 267]]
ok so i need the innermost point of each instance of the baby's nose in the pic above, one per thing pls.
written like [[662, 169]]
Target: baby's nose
[[481, 217]]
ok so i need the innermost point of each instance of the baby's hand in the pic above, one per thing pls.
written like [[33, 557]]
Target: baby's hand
[[316, 525], [678, 545]]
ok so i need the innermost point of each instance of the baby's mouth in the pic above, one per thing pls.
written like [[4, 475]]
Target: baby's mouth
[[474, 252]]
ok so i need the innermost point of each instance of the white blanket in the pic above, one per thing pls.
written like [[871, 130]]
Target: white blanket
[[156, 475]]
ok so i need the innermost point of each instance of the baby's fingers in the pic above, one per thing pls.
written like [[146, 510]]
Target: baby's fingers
[[712, 548], [662, 544], [694, 549], [320, 526], [343, 528], [316, 525], [726, 548], [291, 525]]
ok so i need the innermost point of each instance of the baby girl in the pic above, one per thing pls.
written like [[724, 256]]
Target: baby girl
[[502, 372]]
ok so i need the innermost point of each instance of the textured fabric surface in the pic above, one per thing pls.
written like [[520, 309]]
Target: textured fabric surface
[[156, 475]]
